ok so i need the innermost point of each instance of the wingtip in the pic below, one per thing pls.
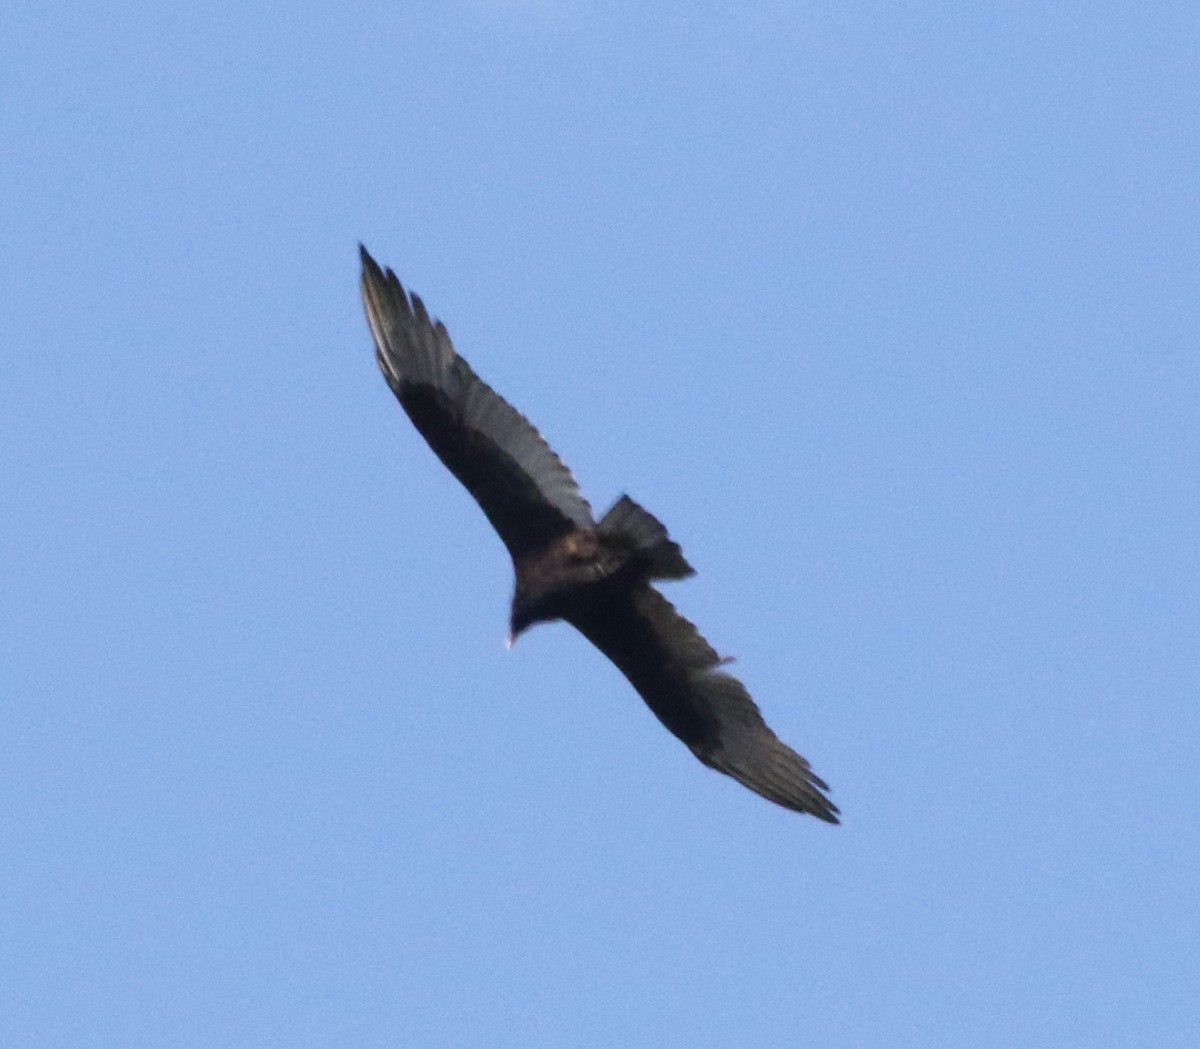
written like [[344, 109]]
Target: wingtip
[[829, 814], [810, 801], [368, 263], [815, 803]]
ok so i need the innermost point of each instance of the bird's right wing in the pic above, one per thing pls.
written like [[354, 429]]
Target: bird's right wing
[[525, 490], [676, 672]]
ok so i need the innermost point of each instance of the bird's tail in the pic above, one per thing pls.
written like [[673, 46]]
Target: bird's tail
[[659, 554]]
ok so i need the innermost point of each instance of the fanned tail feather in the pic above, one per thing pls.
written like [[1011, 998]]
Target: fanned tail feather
[[646, 534]]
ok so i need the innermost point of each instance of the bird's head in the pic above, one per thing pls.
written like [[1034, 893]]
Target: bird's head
[[520, 619]]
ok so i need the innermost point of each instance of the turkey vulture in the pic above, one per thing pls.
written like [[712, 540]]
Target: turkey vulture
[[596, 575]]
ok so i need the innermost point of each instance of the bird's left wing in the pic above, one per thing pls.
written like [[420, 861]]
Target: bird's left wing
[[525, 490], [677, 673]]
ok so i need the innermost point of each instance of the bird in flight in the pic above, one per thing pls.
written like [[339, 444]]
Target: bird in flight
[[595, 575]]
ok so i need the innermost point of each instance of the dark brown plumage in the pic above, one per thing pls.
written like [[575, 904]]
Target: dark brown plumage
[[594, 575]]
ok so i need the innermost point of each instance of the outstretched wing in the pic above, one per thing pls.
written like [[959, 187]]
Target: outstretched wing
[[526, 491], [675, 671]]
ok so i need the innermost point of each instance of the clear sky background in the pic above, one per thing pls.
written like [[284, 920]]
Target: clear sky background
[[890, 312]]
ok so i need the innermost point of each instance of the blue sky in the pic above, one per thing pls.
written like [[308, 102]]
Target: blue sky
[[888, 311]]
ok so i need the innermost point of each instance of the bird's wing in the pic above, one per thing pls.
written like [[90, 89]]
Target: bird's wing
[[525, 490], [676, 672]]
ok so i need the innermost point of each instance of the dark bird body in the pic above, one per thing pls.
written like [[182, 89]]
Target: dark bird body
[[595, 575]]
